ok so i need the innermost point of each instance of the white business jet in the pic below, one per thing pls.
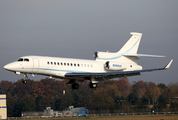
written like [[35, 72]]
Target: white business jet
[[107, 65]]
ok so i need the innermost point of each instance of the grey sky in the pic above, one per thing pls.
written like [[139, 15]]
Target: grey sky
[[68, 28]]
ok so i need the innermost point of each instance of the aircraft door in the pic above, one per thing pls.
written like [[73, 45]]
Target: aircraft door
[[35, 65]]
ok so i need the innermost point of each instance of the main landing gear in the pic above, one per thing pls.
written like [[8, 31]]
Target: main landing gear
[[76, 85], [92, 85]]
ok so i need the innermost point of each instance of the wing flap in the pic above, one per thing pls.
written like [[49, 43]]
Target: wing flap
[[104, 74]]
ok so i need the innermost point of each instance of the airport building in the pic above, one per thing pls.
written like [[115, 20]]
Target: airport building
[[3, 107]]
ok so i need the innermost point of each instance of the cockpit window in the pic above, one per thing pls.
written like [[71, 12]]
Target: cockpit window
[[23, 59], [27, 60], [20, 59]]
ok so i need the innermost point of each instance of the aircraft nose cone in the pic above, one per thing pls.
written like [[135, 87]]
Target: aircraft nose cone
[[12, 66], [6, 67], [9, 66]]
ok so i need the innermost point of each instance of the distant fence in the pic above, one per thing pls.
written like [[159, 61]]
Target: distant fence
[[37, 114], [140, 113], [146, 110]]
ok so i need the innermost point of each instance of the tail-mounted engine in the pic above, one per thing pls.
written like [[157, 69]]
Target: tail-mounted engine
[[98, 55], [114, 66]]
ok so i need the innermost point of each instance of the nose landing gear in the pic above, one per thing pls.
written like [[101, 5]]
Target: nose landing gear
[[24, 81], [25, 77]]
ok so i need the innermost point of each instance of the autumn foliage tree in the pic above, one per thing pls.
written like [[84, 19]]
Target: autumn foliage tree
[[109, 96], [124, 86]]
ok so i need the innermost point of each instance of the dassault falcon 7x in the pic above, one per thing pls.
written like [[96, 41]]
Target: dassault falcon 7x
[[107, 65]]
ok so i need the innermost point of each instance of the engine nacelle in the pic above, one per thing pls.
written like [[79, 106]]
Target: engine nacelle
[[103, 55], [114, 66]]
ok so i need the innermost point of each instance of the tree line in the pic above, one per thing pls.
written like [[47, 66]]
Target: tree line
[[110, 96]]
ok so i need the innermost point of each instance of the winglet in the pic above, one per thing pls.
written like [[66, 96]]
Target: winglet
[[168, 65]]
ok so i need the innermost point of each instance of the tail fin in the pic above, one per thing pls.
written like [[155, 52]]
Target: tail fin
[[132, 44], [128, 53]]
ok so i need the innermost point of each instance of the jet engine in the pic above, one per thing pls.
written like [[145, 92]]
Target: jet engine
[[98, 54], [114, 66]]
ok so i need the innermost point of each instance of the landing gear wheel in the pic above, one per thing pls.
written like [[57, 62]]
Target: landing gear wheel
[[75, 86], [24, 81], [93, 85], [25, 77]]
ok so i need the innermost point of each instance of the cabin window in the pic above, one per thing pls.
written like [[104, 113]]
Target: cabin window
[[67, 64], [51, 63], [78, 65], [58, 63], [61, 63], [54, 63], [74, 64], [71, 64], [48, 62]]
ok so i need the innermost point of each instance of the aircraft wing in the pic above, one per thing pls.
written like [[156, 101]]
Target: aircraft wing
[[109, 75]]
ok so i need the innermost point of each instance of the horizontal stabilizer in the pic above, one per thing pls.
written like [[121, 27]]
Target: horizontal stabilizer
[[142, 55]]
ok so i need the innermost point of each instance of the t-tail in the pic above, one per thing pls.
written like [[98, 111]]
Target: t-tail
[[131, 47], [128, 53]]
